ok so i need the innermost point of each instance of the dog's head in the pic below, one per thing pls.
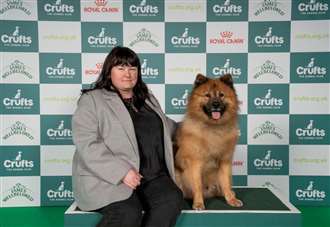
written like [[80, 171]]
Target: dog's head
[[213, 100]]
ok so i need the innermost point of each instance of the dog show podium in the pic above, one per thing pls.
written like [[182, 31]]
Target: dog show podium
[[262, 207]]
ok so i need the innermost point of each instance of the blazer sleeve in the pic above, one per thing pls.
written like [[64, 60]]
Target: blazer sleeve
[[94, 156]]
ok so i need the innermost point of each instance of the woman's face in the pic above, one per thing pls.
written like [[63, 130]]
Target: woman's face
[[124, 78]]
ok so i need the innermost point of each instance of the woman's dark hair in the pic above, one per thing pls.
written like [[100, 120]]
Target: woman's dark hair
[[126, 57]]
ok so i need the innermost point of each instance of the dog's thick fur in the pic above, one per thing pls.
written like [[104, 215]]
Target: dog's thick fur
[[206, 141]]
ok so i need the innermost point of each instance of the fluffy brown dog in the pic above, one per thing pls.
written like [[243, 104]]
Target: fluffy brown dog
[[206, 141]]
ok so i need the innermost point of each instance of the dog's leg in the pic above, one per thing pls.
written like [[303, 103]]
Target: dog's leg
[[225, 181], [193, 176]]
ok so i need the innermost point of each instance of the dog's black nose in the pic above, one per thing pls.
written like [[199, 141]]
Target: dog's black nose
[[216, 104]]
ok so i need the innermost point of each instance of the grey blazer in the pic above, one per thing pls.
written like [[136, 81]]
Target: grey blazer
[[106, 148]]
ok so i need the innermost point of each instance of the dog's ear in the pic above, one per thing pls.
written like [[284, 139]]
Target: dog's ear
[[200, 79], [228, 80]]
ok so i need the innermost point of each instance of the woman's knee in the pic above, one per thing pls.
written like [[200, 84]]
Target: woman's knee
[[175, 201]]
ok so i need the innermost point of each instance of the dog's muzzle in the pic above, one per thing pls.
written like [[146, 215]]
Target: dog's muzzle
[[215, 110]]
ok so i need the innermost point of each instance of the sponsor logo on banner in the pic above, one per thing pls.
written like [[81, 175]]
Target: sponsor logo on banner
[[227, 10], [309, 67], [94, 71], [269, 36], [309, 129], [176, 98], [267, 6], [19, 36], [19, 99], [18, 129], [56, 129], [56, 190], [17, 67], [188, 11], [54, 102], [56, 162], [227, 38], [60, 10], [272, 98], [101, 37], [152, 68], [60, 68], [185, 37], [309, 98], [234, 64], [16, 5], [311, 160], [310, 9], [267, 128], [20, 161], [268, 67], [18, 190], [268, 160], [144, 35], [101, 6], [143, 10], [310, 190]]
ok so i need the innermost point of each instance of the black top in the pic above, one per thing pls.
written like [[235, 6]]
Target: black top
[[149, 134]]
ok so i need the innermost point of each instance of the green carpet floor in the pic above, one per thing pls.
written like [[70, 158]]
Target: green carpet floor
[[53, 217]]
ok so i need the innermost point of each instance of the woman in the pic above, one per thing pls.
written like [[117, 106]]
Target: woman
[[123, 162]]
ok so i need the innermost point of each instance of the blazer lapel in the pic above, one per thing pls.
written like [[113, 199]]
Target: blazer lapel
[[120, 111]]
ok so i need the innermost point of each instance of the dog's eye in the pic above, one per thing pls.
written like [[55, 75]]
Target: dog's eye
[[208, 95], [222, 95]]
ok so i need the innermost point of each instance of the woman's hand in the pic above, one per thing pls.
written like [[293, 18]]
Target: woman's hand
[[132, 179]]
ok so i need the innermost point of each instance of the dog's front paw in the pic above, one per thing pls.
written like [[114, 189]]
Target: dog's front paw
[[198, 206], [235, 202]]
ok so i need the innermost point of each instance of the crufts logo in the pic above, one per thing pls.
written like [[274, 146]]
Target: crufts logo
[[311, 70], [268, 39], [60, 132], [268, 101], [18, 163], [59, 8], [227, 67], [147, 70], [60, 69], [143, 9], [16, 38], [310, 132], [60, 193], [185, 40], [227, 8], [101, 39], [314, 7], [182, 101], [310, 193], [18, 101], [267, 162]]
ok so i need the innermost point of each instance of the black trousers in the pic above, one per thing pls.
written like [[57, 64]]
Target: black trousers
[[160, 199]]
